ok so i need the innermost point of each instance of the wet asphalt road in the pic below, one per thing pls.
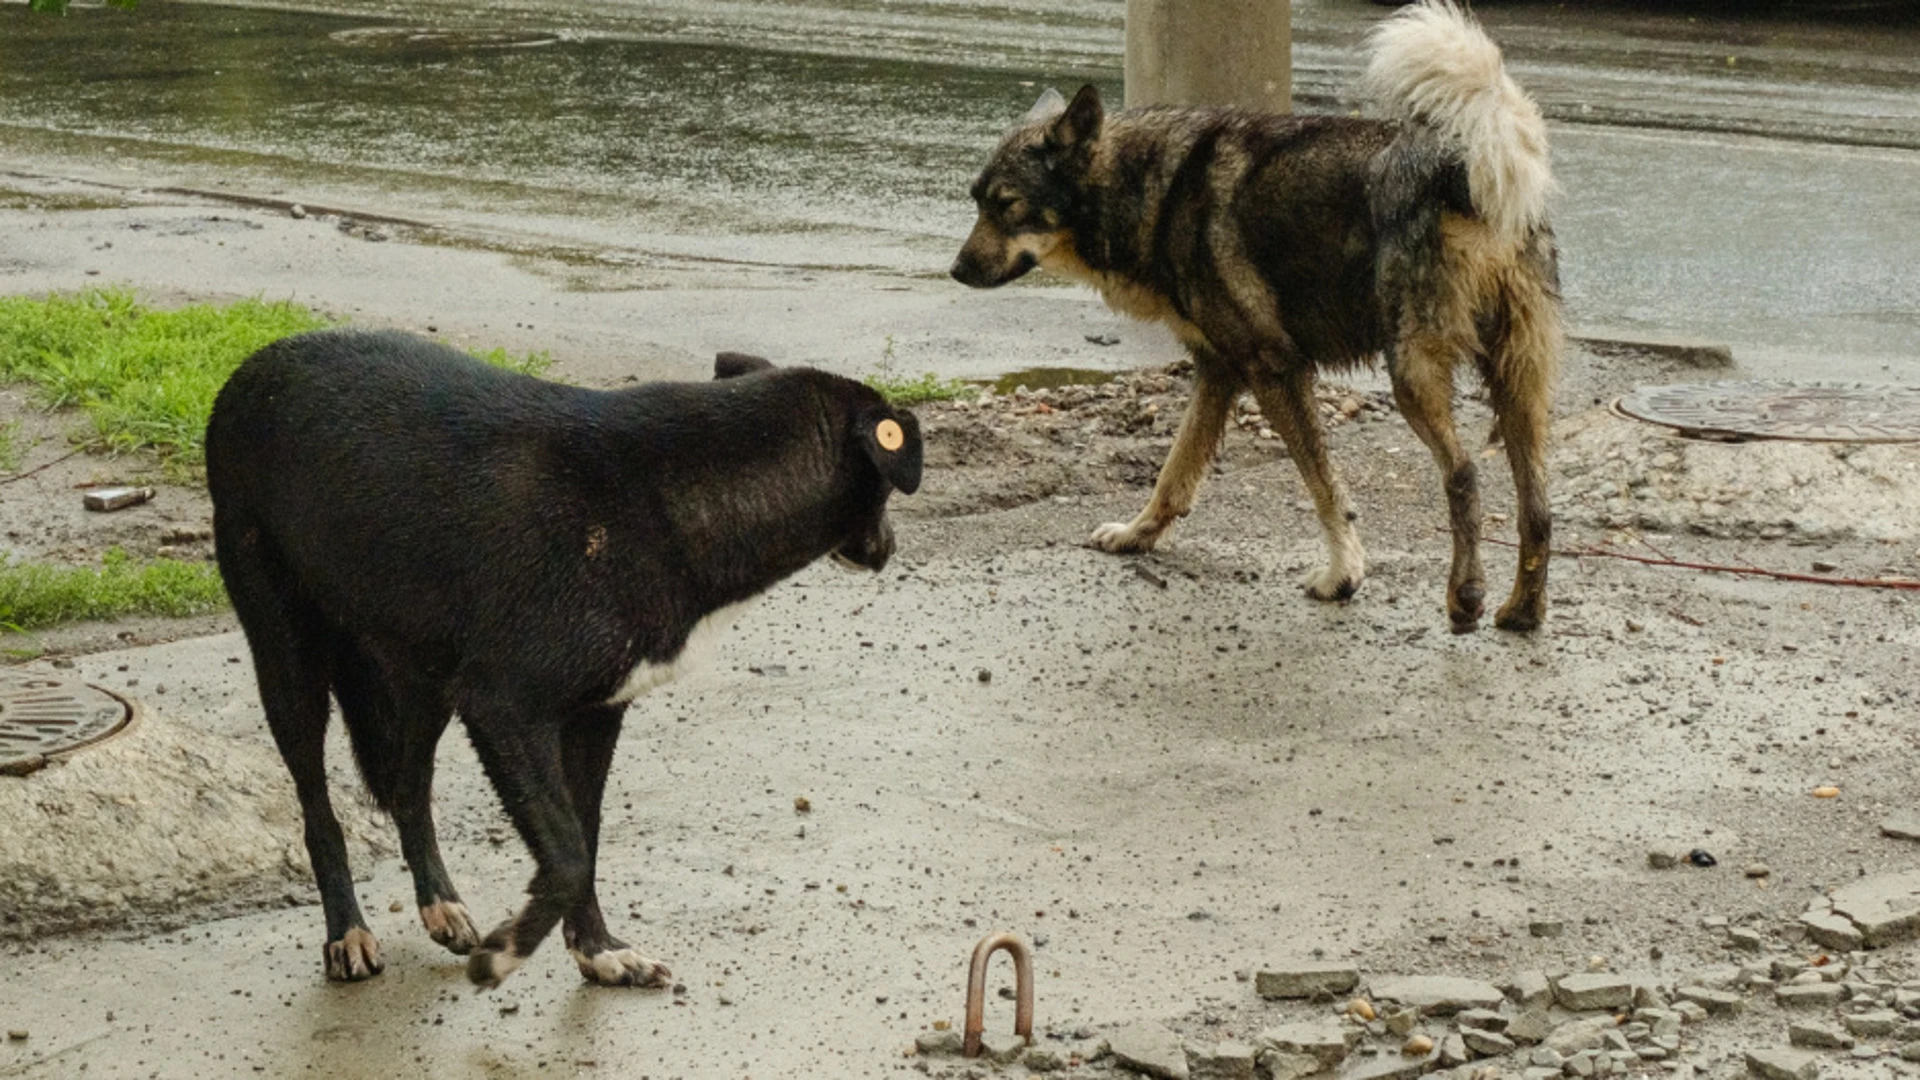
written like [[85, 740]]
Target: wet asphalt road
[[833, 136]]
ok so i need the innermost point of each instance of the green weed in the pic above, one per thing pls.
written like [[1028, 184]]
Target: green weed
[[904, 391], [34, 595]]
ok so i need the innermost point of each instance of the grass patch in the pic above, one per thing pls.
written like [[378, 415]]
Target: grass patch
[[904, 391], [145, 377], [34, 596]]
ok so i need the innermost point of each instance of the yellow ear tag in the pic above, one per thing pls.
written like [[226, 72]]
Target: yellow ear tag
[[888, 434]]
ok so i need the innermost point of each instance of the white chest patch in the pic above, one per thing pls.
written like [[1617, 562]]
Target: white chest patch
[[699, 647]]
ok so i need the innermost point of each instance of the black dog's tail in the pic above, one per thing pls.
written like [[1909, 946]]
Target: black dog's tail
[[1434, 66]]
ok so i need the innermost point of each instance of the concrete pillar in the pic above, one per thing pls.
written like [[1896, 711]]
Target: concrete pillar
[[1210, 52]]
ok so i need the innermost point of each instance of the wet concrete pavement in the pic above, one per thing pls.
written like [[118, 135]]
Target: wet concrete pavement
[[658, 138]]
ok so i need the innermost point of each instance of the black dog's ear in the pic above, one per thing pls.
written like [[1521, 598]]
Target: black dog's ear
[[892, 440], [728, 365], [1080, 123]]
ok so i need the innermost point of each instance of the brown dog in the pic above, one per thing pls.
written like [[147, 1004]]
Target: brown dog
[[1277, 247]]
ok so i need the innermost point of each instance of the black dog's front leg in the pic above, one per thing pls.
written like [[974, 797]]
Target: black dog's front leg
[[520, 748], [586, 751]]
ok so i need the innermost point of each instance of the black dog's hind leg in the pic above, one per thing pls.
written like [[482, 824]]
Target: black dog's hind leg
[[586, 749], [396, 725], [289, 640], [520, 748]]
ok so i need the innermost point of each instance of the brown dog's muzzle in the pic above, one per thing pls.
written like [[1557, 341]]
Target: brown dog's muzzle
[[987, 259]]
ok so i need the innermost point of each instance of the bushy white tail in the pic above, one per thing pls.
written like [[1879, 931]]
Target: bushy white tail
[[1432, 64]]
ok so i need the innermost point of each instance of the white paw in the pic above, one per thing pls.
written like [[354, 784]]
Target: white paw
[[487, 967], [1330, 583], [448, 923], [1124, 538], [354, 957], [621, 967]]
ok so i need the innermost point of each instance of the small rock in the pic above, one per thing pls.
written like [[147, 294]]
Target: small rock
[[1546, 1057], [1401, 1022], [937, 1043], [1758, 870], [17, 1034], [1692, 1012], [1741, 937], [1825, 995], [296, 211], [1387, 1067], [1002, 1047], [1326, 1043], [1486, 1043], [1874, 1024], [1042, 1060], [1583, 993], [1531, 990], [1484, 1019], [1902, 826], [1885, 907], [1531, 1026], [1224, 1061], [1286, 1065], [1546, 928], [1662, 859], [1437, 995], [1453, 1050], [1817, 1035], [1783, 1064], [1581, 1064], [1714, 1001], [1911, 1051], [1586, 1033], [1306, 980], [1151, 1049]]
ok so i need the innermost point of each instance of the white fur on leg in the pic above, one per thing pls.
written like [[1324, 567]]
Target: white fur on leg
[[621, 967], [1137, 535], [448, 923], [1346, 568]]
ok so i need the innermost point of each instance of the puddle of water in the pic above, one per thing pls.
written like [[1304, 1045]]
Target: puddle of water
[[1051, 378]]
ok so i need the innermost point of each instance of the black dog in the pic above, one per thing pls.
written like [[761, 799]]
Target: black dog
[[425, 535]]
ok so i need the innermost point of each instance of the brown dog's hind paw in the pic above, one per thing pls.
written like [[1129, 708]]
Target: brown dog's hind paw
[[354, 957], [448, 923], [621, 967], [1123, 538], [1520, 617], [1328, 585]]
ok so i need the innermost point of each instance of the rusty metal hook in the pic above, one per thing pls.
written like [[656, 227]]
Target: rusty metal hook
[[1016, 947]]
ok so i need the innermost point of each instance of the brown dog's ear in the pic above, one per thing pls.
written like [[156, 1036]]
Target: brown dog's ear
[[892, 440], [1080, 123], [729, 365]]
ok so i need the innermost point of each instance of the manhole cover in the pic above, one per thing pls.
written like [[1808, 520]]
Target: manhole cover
[[1809, 411], [40, 717]]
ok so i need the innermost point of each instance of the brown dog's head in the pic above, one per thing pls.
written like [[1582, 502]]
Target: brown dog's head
[[1029, 194]]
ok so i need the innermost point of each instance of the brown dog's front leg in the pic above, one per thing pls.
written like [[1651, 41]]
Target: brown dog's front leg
[[1193, 450]]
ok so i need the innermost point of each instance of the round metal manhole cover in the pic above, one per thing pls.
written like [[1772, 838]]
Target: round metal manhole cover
[[41, 717], [1782, 409]]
